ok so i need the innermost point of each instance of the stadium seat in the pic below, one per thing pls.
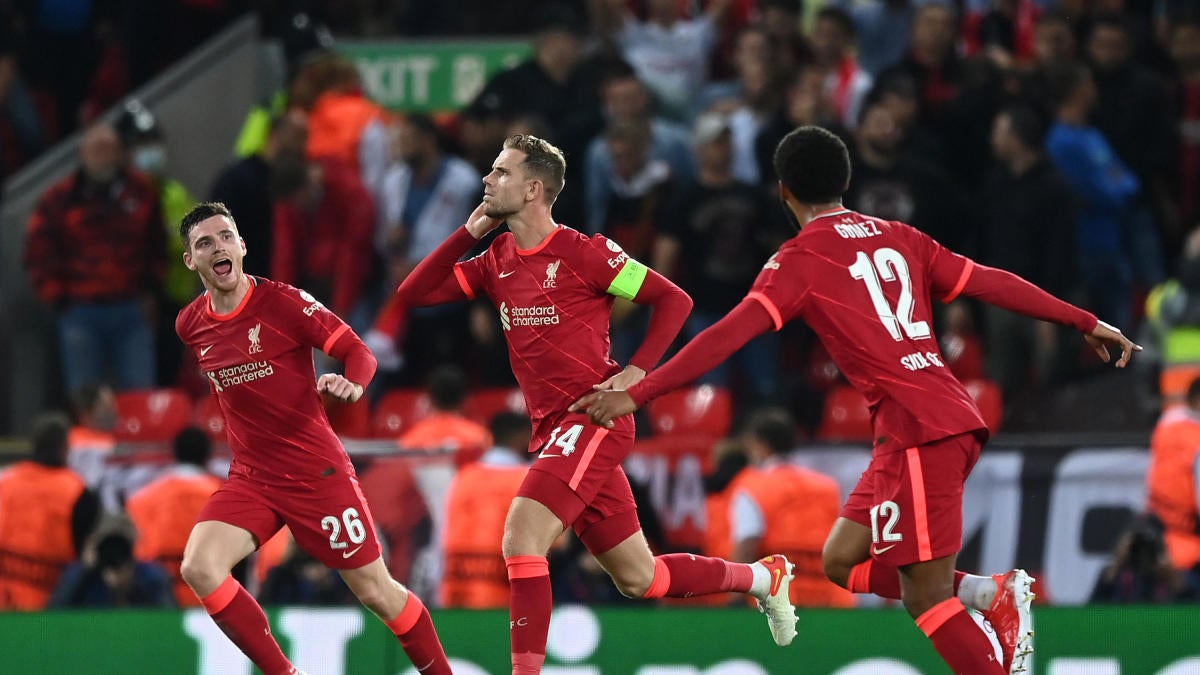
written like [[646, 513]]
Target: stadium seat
[[990, 400], [822, 372], [964, 355], [151, 415], [705, 410], [485, 404], [846, 417], [397, 410], [350, 420], [210, 419]]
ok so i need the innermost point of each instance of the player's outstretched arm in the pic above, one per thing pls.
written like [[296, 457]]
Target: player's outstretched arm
[[432, 281], [712, 346], [1004, 289]]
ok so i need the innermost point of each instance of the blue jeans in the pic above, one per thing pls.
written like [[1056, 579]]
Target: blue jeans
[[758, 360], [111, 342]]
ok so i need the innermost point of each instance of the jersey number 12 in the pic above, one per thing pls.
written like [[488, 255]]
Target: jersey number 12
[[889, 265]]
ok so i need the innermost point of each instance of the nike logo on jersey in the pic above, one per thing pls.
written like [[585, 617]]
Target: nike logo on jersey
[[204, 350], [347, 554], [880, 551], [507, 274]]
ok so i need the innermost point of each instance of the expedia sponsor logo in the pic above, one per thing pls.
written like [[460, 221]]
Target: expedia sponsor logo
[[536, 315], [241, 374]]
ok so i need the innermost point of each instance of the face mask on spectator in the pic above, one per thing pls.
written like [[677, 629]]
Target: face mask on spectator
[[151, 159]]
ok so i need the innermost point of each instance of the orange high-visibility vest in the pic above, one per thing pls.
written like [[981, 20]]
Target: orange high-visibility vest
[[474, 574], [36, 542], [799, 508], [164, 513], [1171, 483], [336, 124]]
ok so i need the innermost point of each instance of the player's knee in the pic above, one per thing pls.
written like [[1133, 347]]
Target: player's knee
[[201, 575], [836, 568], [633, 583]]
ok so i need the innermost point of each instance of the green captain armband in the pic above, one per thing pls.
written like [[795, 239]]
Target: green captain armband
[[629, 280]]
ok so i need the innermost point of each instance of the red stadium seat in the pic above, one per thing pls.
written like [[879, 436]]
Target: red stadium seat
[[210, 419], [150, 415], [351, 420], [846, 417], [990, 400], [963, 353], [703, 410], [823, 373], [398, 410], [485, 404]]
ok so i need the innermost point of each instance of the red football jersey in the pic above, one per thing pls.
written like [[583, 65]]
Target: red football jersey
[[865, 286], [259, 362], [554, 301]]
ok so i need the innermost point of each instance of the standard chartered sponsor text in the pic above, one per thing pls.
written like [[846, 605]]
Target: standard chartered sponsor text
[[243, 373], [537, 315]]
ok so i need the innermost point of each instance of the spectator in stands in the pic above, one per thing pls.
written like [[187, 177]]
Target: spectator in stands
[[44, 491], [323, 222], [346, 126], [884, 30], [145, 150], [1105, 188], [1028, 229], [109, 576], [778, 506], [624, 202], [483, 126], [96, 253], [477, 501], [91, 441], [165, 510], [447, 428], [761, 100], [1171, 482], [1132, 112], [1185, 51], [1173, 321], [1140, 571], [21, 133], [1053, 46], [846, 83], [426, 195], [669, 53], [627, 102], [890, 181], [302, 580], [805, 103], [245, 187], [712, 243]]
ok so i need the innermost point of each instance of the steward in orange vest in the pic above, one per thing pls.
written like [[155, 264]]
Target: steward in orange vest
[[783, 508], [474, 575], [165, 510], [1171, 480], [447, 428], [46, 515]]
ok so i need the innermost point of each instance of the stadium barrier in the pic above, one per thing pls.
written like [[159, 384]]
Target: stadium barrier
[[583, 641]]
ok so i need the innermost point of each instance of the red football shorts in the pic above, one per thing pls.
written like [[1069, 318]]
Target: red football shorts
[[912, 500], [578, 476], [328, 517]]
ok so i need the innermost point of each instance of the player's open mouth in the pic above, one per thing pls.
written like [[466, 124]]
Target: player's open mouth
[[223, 267]]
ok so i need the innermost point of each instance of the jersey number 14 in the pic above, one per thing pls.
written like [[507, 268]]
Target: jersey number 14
[[889, 265]]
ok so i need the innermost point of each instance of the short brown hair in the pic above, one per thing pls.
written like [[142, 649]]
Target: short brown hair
[[200, 213], [544, 161]]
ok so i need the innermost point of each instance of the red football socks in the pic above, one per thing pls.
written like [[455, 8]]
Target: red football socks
[[959, 641], [683, 575], [417, 636], [529, 607], [241, 618], [883, 580]]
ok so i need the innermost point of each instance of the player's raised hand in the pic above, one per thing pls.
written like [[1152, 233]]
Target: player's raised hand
[[623, 380], [1104, 335], [339, 387], [604, 406], [480, 223]]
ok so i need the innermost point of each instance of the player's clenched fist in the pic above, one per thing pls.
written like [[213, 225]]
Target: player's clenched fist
[[339, 387]]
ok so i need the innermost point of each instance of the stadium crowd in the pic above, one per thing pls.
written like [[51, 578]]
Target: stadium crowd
[[1057, 139]]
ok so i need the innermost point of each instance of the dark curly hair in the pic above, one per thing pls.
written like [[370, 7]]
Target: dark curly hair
[[813, 164]]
